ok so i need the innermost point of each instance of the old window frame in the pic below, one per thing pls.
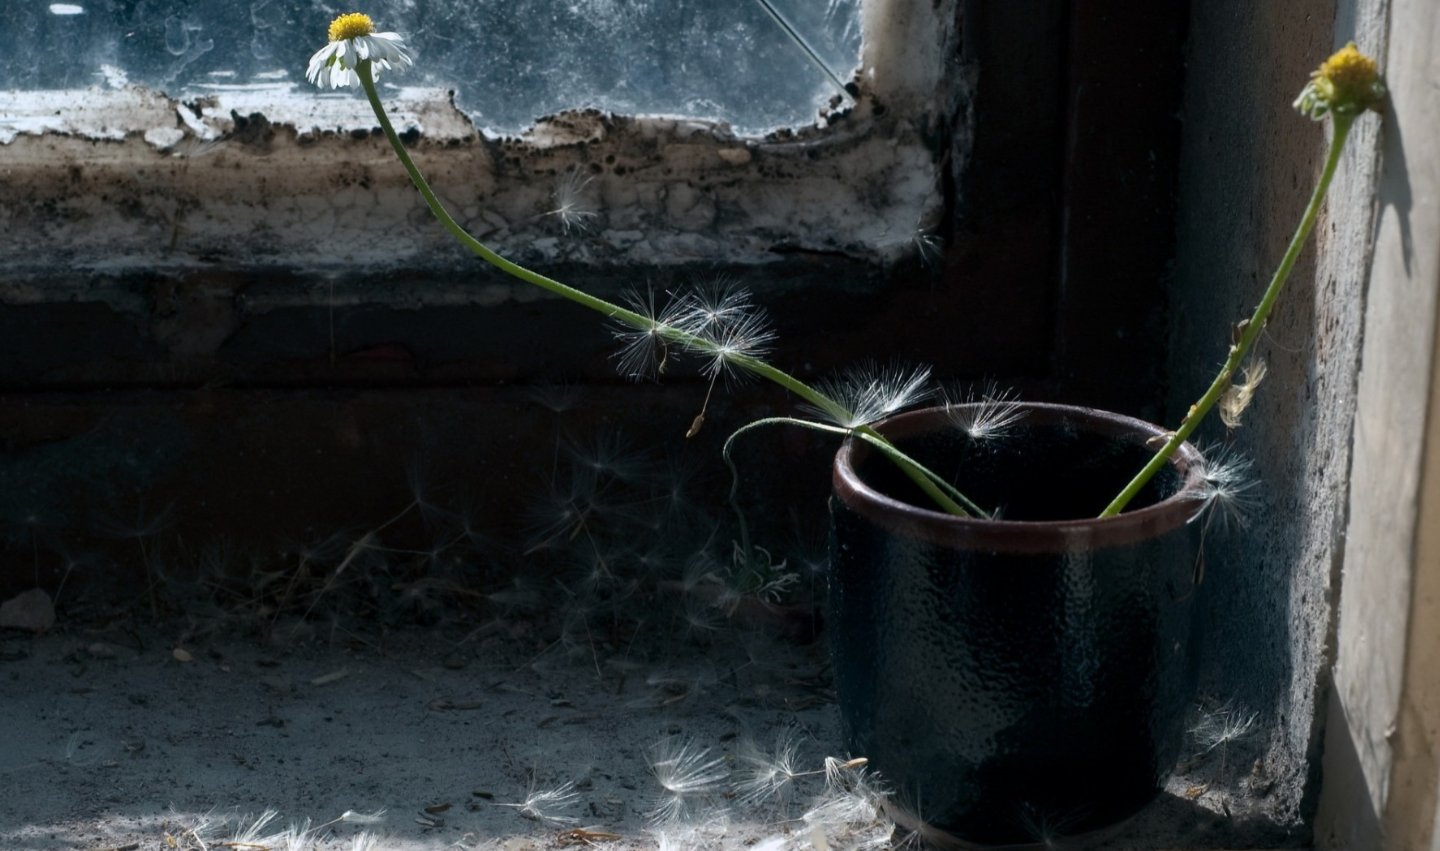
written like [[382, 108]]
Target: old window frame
[[134, 179]]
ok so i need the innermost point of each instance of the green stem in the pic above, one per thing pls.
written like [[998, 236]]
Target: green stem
[[1251, 330], [939, 489], [615, 311]]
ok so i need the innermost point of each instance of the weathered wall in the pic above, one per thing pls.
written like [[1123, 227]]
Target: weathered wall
[[1249, 164]]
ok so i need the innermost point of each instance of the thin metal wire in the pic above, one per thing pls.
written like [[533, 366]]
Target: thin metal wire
[[805, 47]]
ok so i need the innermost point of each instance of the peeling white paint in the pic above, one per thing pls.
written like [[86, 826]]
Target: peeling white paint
[[164, 138]]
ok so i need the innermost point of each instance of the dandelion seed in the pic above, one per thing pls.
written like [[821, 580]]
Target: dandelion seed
[[202, 826], [1049, 827], [845, 807], [555, 521], [294, 838], [645, 350], [594, 573], [746, 335], [839, 773], [144, 525], [1227, 489], [1225, 725], [674, 482], [1221, 728], [701, 571], [987, 415], [685, 774], [609, 454], [764, 775], [558, 397], [719, 303], [540, 804], [701, 618], [421, 496], [573, 210], [872, 392], [687, 837], [920, 833], [1238, 396], [588, 489], [253, 832], [353, 40], [927, 247]]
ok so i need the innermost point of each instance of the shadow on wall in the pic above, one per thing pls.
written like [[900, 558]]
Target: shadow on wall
[[1345, 788], [1249, 164]]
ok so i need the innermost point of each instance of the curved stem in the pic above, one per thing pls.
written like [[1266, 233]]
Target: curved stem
[[936, 487], [615, 311], [942, 492], [729, 459], [1251, 329], [610, 309]]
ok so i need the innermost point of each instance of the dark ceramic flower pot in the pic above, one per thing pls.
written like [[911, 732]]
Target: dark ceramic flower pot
[[1022, 679]]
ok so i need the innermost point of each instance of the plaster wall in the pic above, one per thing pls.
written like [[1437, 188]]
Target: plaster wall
[[1382, 755], [1249, 162]]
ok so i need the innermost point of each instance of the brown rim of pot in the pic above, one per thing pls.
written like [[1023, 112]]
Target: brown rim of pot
[[1021, 536]]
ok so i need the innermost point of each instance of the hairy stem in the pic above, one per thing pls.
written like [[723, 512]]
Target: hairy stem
[[921, 477], [1249, 331]]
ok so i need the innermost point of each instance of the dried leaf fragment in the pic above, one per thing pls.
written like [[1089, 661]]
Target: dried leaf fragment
[[1238, 396], [585, 836]]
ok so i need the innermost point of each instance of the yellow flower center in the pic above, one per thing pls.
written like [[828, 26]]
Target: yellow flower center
[[1349, 70], [352, 25], [1349, 81]]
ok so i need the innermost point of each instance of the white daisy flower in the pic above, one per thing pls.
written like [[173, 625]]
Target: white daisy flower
[[353, 40]]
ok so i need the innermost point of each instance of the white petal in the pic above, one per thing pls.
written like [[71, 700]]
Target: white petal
[[333, 66], [392, 47], [319, 61]]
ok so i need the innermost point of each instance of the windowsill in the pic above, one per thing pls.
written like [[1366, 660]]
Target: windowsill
[[133, 180]]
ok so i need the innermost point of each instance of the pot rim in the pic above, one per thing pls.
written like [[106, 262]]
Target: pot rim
[[1022, 536]]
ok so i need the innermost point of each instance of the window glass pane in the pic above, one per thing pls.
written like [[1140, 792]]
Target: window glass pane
[[509, 61]]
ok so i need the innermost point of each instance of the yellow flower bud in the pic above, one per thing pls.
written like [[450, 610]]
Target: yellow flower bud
[[1348, 83]]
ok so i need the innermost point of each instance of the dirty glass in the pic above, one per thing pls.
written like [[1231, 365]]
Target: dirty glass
[[508, 61]]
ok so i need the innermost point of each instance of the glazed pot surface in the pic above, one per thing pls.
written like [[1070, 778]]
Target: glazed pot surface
[[1015, 681]]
